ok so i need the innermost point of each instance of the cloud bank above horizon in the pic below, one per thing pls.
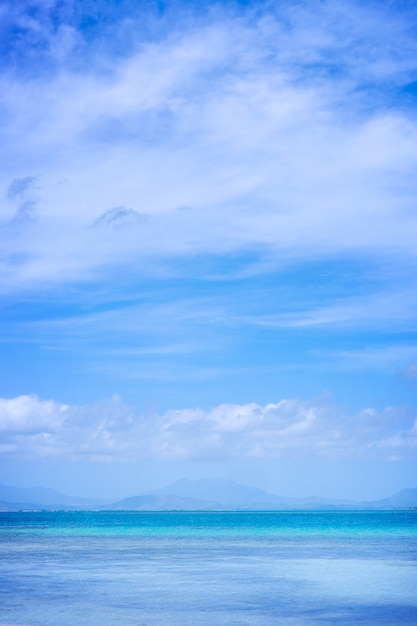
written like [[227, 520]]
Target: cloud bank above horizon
[[110, 430]]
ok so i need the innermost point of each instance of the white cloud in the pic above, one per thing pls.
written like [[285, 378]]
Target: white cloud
[[264, 127], [111, 430], [30, 415]]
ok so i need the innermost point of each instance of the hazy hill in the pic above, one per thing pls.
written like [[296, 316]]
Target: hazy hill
[[223, 492], [201, 494], [230, 494], [169, 502], [404, 498], [40, 497], [209, 494]]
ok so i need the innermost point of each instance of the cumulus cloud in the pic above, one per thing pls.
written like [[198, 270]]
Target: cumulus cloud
[[111, 430], [29, 414]]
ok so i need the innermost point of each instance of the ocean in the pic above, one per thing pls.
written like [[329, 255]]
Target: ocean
[[181, 568]]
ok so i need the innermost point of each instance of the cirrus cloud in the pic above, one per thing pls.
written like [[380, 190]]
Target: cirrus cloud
[[270, 131]]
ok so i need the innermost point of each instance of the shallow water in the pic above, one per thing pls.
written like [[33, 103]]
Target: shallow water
[[135, 568]]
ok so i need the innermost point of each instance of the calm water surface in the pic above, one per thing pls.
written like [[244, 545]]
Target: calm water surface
[[217, 568]]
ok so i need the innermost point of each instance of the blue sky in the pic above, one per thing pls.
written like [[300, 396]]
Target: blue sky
[[208, 260]]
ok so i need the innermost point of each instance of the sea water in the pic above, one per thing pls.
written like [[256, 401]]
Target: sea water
[[179, 568]]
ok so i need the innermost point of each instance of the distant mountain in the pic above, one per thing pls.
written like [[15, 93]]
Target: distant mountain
[[223, 492], [169, 502], [188, 495], [201, 494], [402, 499], [227, 493], [40, 497], [218, 494]]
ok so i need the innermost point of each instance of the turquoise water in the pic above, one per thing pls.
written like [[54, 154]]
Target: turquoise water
[[136, 568]]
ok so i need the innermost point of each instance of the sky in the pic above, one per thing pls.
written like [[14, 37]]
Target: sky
[[208, 252]]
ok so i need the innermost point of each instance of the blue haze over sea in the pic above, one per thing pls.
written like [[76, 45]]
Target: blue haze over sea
[[138, 568]]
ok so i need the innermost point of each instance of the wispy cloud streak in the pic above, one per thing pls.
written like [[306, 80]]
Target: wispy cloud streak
[[265, 124]]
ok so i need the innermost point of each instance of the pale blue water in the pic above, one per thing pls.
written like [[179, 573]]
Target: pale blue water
[[180, 568]]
